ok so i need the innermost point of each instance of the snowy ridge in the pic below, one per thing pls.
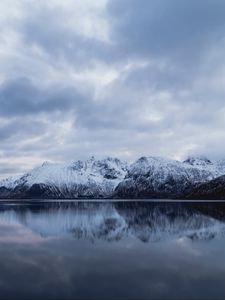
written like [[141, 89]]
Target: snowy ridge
[[157, 177], [144, 164], [9, 182], [216, 167], [148, 177], [80, 178]]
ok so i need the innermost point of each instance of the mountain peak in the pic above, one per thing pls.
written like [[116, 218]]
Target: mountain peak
[[199, 160], [148, 177], [46, 163]]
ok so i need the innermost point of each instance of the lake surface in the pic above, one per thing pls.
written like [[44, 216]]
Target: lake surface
[[112, 250]]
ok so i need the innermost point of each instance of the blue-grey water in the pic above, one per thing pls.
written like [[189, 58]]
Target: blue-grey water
[[112, 250]]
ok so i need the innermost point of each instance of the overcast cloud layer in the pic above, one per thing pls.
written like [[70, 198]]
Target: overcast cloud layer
[[122, 78]]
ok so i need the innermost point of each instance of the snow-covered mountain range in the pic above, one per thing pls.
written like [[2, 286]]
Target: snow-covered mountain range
[[81, 179], [156, 177], [148, 177]]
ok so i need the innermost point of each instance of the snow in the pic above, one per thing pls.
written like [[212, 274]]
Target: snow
[[158, 177], [101, 177], [9, 182], [102, 174], [165, 166]]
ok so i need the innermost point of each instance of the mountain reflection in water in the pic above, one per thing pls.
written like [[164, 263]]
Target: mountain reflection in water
[[116, 250], [146, 221]]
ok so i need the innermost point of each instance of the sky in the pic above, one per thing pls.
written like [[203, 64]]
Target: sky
[[122, 78]]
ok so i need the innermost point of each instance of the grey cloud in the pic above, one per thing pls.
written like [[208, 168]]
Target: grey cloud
[[172, 105], [21, 97], [176, 34], [178, 29], [7, 168], [180, 34], [21, 127], [44, 27]]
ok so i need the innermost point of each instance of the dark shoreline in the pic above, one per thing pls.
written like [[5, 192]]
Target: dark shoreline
[[104, 200]]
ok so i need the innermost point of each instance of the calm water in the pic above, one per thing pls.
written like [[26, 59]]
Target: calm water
[[122, 250]]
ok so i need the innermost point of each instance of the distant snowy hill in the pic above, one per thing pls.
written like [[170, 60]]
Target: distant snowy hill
[[156, 177], [148, 177], [89, 179]]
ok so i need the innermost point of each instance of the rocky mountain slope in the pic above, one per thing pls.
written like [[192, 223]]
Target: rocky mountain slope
[[148, 177], [80, 179], [156, 177], [214, 189]]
